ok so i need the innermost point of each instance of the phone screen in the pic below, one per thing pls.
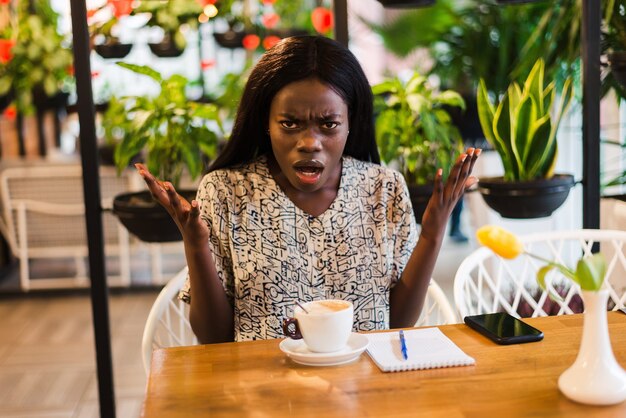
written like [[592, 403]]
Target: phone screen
[[504, 328]]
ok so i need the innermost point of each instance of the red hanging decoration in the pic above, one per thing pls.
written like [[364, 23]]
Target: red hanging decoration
[[251, 42], [121, 7], [269, 1], [204, 3], [270, 20], [206, 64], [270, 41], [5, 50], [10, 112], [322, 19]]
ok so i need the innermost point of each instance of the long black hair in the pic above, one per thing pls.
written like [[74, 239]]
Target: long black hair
[[291, 60]]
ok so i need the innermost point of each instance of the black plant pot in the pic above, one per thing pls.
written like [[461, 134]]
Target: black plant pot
[[230, 39], [44, 102], [617, 63], [406, 4], [113, 50], [287, 32], [514, 1], [420, 195], [147, 219], [528, 199], [6, 100], [106, 152], [166, 49], [621, 197]]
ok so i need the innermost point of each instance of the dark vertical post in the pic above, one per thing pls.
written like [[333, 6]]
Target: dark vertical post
[[41, 135], [21, 140], [341, 21], [93, 210], [590, 38]]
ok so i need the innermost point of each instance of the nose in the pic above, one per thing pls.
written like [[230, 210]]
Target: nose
[[309, 141]]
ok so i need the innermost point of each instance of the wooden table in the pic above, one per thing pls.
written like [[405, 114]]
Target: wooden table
[[256, 379]]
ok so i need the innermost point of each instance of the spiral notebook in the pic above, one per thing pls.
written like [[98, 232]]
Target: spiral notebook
[[427, 348]]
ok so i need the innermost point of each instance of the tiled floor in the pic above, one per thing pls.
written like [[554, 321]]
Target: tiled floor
[[47, 357]]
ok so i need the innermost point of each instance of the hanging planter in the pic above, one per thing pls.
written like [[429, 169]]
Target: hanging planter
[[617, 64], [526, 199], [522, 128], [166, 158], [420, 195], [166, 49], [505, 2], [406, 4], [6, 100], [43, 102], [230, 39], [147, 219], [287, 32], [114, 50]]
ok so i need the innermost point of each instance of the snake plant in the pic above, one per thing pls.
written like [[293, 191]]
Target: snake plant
[[522, 128]]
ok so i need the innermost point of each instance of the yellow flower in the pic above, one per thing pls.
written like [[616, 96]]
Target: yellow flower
[[500, 241], [589, 273]]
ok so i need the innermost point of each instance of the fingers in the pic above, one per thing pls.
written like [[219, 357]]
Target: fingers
[[459, 179], [195, 210], [438, 187]]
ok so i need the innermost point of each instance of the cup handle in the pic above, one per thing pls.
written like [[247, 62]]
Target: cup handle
[[291, 329]]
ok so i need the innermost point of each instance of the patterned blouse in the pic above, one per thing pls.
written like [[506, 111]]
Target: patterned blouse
[[269, 252]]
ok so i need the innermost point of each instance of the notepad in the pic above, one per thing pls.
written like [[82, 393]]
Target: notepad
[[427, 348]]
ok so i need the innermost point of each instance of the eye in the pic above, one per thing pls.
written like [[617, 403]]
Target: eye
[[288, 124], [330, 125]]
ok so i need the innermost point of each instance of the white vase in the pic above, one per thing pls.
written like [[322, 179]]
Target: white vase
[[595, 378]]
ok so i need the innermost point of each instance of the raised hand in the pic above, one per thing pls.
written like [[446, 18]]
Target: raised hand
[[185, 214], [445, 197]]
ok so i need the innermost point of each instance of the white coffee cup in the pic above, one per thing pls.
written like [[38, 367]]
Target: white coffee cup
[[325, 328]]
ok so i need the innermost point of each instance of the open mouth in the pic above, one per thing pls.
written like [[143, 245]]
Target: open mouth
[[308, 171]]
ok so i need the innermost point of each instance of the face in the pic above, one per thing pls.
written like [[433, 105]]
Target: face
[[308, 127]]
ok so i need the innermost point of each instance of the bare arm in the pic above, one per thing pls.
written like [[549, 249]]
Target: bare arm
[[407, 297], [210, 315]]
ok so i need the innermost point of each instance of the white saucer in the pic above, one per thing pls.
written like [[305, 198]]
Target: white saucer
[[300, 353]]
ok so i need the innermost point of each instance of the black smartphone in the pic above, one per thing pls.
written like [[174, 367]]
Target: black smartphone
[[504, 328]]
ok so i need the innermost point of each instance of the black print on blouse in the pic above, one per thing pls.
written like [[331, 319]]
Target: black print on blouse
[[270, 253]]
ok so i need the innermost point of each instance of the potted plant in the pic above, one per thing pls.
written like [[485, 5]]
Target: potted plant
[[414, 131], [173, 133], [614, 45], [522, 129], [171, 17], [36, 61], [103, 23], [467, 41]]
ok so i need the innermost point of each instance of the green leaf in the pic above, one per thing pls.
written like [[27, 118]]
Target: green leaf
[[486, 114], [141, 69], [450, 98], [534, 83], [540, 132], [525, 115], [541, 280], [590, 272], [389, 86], [502, 131]]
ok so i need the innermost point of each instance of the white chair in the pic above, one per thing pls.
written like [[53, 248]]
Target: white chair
[[167, 324], [486, 283], [43, 217], [437, 309]]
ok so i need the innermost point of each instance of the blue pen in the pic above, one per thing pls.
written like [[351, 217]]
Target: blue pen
[[405, 354]]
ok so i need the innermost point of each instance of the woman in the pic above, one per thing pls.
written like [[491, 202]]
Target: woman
[[297, 207]]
